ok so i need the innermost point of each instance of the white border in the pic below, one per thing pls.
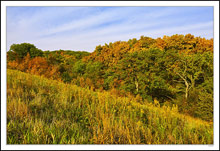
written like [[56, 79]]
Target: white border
[[110, 3]]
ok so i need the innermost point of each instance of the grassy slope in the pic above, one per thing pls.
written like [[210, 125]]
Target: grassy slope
[[43, 111]]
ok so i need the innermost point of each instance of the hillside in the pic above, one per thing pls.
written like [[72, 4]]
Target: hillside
[[174, 70], [45, 111]]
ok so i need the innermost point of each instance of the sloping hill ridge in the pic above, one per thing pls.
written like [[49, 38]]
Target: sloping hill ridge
[[43, 111]]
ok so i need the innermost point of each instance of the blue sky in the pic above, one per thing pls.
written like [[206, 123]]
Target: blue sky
[[83, 28]]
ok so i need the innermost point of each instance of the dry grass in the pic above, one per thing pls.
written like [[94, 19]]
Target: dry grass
[[43, 111]]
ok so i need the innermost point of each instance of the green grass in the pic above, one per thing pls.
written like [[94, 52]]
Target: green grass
[[43, 111]]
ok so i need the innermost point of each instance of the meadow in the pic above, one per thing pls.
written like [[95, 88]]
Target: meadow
[[46, 111]]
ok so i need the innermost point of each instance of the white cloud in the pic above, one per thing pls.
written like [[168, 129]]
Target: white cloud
[[88, 28], [91, 40]]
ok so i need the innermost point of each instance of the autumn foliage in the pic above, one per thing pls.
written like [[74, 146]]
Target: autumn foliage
[[156, 75]]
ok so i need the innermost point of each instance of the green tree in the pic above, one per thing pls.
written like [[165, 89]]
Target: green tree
[[98, 49], [94, 71], [79, 68], [187, 68], [142, 73], [21, 50], [66, 77], [11, 55]]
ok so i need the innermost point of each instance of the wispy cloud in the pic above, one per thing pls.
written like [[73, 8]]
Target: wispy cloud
[[82, 28]]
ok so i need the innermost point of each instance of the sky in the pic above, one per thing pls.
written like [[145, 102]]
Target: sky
[[83, 28]]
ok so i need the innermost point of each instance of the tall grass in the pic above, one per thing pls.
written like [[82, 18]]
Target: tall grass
[[43, 111]]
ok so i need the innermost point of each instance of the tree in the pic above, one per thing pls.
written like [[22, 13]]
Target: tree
[[94, 71], [38, 65], [98, 49], [11, 56], [141, 73], [204, 104], [79, 68], [34, 52], [187, 68], [21, 50], [66, 77]]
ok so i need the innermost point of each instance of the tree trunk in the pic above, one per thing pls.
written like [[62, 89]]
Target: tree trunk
[[187, 89], [136, 84], [186, 84]]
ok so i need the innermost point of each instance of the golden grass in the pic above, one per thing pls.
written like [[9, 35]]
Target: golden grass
[[43, 111]]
